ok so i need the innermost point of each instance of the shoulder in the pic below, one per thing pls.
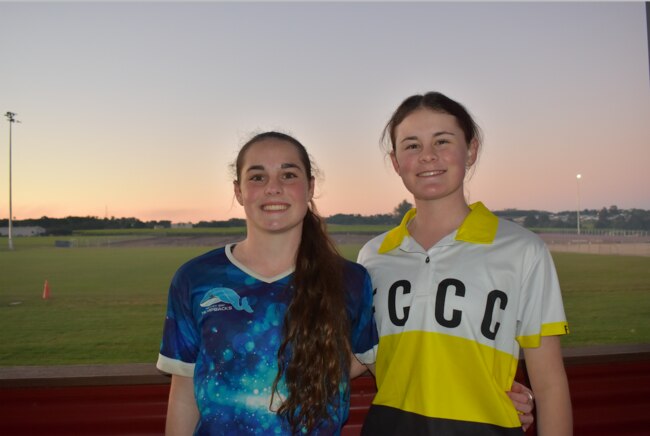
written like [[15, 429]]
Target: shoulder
[[510, 230], [371, 248], [353, 271], [358, 288], [517, 242], [210, 259], [356, 280]]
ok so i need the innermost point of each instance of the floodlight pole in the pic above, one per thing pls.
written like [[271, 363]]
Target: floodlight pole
[[578, 177], [10, 116]]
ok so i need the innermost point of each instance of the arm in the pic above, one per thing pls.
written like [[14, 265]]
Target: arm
[[182, 411], [549, 382], [524, 402], [357, 368]]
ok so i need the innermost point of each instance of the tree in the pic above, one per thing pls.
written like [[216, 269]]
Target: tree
[[603, 219], [531, 220], [544, 220], [401, 209]]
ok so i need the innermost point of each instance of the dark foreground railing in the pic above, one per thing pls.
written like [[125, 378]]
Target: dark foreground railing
[[610, 391]]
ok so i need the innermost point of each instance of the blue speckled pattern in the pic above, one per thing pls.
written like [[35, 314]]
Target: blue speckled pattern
[[229, 323]]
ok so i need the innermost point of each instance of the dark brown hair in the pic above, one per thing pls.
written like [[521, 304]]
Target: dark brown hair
[[434, 101], [314, 355]]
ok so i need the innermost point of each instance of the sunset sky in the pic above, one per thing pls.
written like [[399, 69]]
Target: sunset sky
[[137, 109]]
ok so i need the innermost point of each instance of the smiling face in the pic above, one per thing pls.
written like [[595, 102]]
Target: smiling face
[[273, 186], [431, 155]]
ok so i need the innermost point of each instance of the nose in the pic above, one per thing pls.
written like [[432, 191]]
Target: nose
[[428, 154], [273, 187]]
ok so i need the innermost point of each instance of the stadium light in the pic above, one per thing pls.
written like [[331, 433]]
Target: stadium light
[[578, 177], [10, 116]]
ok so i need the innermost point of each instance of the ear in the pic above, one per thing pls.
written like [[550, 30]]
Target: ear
[[472, 152], [312, 187], [393, 159], [238, 194]]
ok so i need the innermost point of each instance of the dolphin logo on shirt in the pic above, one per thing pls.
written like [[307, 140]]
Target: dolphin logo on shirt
[[225, 295]]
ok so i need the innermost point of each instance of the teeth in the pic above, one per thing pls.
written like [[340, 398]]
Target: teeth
[[431, 173], [273, 207]]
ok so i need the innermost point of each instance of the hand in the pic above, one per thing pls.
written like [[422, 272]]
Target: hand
[[524, 401]]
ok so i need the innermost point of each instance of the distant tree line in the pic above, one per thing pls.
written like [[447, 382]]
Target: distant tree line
[[606, 218], [232, 222], [65, 226]]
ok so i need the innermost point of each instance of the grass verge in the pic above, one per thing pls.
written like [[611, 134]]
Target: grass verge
[[107, 305]]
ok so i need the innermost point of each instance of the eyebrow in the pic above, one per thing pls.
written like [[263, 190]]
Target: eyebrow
[[435, 135], [283, 166]]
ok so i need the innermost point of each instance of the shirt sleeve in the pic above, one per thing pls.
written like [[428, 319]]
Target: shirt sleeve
[[364, 336], [542, 310], [180, 342]]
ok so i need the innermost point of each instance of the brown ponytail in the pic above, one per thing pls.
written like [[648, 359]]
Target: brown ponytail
[[314, 356], [316, 331]]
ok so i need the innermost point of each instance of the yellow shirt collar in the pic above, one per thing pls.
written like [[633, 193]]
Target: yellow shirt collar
[[478, 227]]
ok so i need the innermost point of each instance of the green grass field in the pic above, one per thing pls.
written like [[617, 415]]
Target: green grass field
[[221, 231], [107, 304]]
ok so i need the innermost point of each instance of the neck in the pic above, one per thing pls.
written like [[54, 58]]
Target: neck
[[269, 254], [436, 219]]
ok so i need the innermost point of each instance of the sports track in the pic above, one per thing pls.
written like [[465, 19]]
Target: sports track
[[558, 242]]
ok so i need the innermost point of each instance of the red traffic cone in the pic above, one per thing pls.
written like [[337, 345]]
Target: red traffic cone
[[46, 290]]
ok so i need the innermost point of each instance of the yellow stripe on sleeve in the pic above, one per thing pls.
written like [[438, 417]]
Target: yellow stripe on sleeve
[[551, 329]]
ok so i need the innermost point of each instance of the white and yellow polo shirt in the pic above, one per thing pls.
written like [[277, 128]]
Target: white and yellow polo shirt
[[451, 321]]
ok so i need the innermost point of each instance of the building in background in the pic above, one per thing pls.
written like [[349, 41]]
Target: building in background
[[23, 231]]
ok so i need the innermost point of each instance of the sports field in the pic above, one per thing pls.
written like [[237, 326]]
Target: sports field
[[108, 297]]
